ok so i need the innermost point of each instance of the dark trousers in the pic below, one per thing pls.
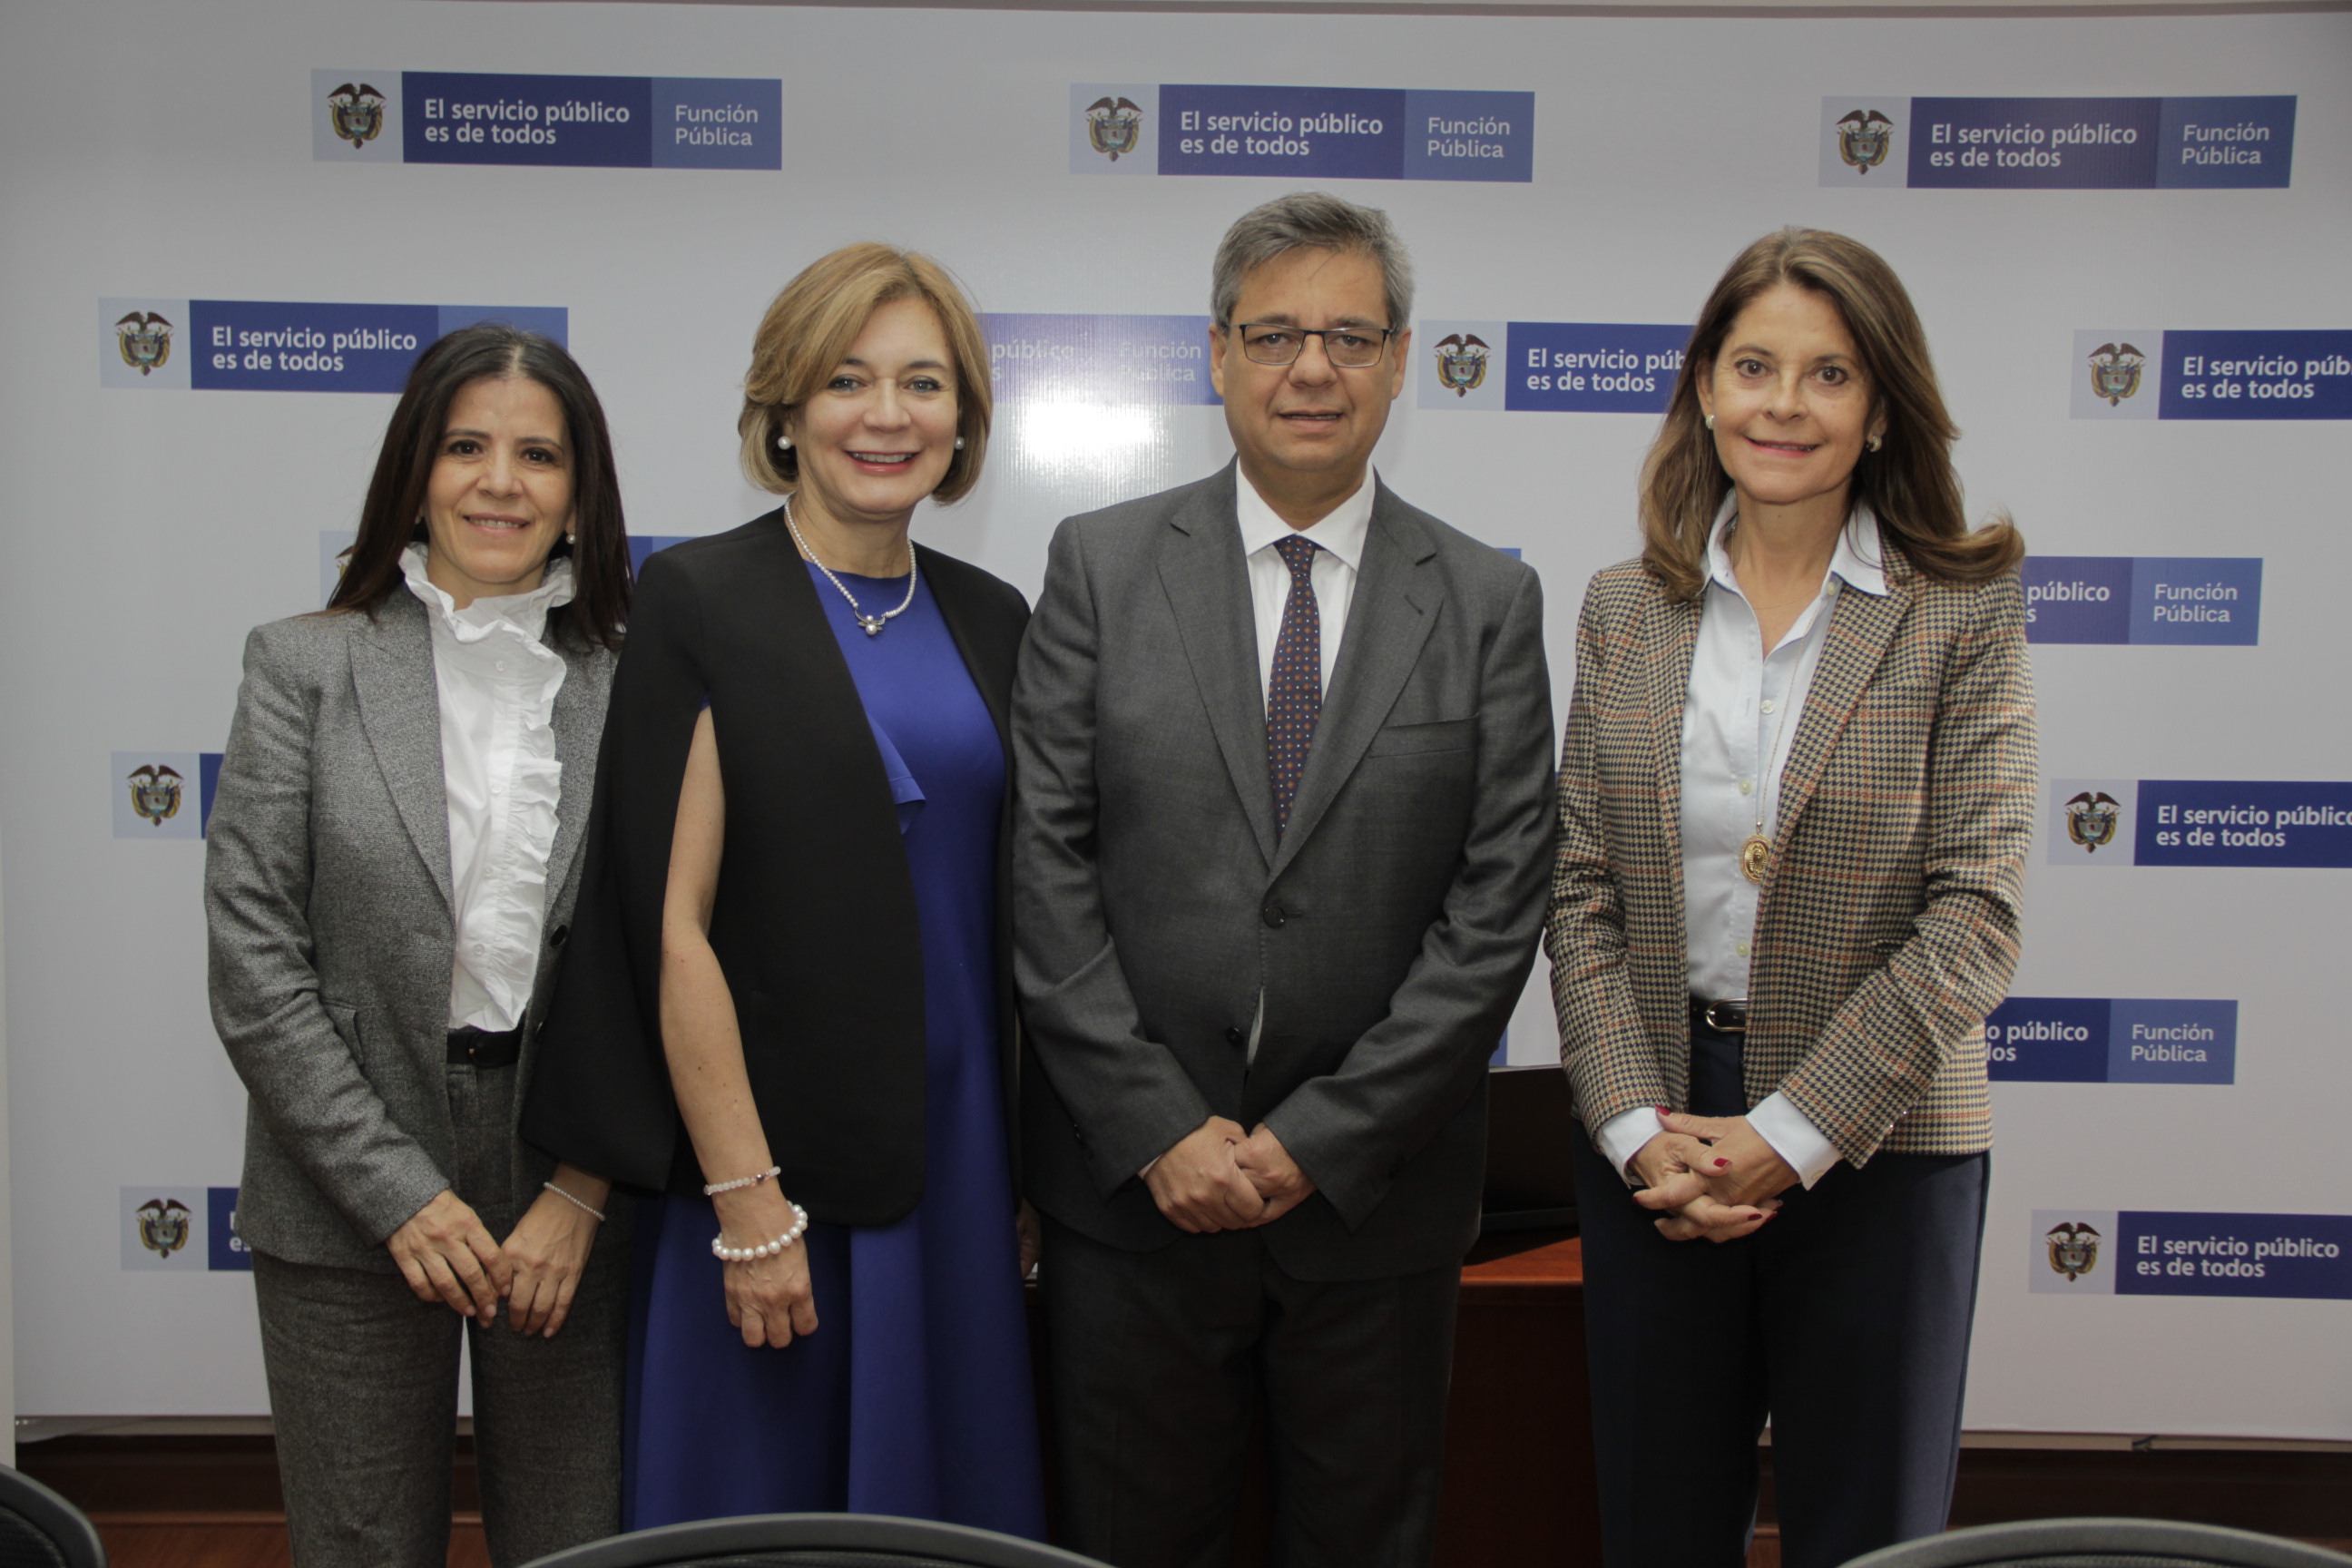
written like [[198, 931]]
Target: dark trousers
[[363, 1391], [1846, 1320], [1157, 1359]]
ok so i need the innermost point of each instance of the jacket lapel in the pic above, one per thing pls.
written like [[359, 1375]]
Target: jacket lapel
[[1389, 620], [577, 720], [1861, 627], [400, 709], [1207, 584], [1670, 641]]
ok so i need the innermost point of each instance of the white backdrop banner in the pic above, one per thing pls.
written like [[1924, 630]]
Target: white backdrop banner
[[2125, 234]]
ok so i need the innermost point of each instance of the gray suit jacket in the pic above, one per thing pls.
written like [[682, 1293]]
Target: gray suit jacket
[[1390, 929], [327, 901]]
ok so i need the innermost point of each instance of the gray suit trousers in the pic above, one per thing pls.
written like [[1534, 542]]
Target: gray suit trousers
[[363, 1386]]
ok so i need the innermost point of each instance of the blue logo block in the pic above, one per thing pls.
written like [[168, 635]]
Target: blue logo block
[[581, 122], [717, 123], [1294, 132], [2077, 598], [2048, 1039], [2241, 822], [2257, 375], [224, 1248], [1592, 367], [2283, 1255], [2241, 144], [247, 345], [2034, 143], [1470, 136], [1100, 360], [2209, 601], [2152, 1041]]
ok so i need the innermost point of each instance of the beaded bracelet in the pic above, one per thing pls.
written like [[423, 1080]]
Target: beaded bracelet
[[714, 1188], [574, 1199], [726, 1253]]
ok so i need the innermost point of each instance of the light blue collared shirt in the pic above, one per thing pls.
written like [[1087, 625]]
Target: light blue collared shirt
[[1739, 724]]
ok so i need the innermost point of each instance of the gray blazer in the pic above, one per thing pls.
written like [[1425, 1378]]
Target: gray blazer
[[327, 901], [1390, 929]]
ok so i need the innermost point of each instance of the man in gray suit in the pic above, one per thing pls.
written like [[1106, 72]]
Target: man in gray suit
[[1281, 838]]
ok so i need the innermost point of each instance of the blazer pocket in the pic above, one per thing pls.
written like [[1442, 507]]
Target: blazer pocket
[[1444, 735], [375, 1047]]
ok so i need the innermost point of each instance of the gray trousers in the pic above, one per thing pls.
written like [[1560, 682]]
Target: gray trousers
[[364, 1389]]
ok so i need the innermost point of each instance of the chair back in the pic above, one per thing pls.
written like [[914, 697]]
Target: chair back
[[2101, 1543], [38, 1529], [813, 1540]]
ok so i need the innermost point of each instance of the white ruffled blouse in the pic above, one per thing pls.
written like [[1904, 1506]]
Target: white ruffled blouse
[[498, 682]]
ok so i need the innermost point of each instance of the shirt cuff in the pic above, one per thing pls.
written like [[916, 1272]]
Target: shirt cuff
[[1793, 1137], [1622, 1137]]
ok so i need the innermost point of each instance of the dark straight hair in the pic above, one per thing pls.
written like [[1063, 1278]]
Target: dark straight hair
[[392, 516]]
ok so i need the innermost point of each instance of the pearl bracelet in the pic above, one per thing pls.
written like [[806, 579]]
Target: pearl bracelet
[[576, 1201], [726, 1253], [714, 1188]]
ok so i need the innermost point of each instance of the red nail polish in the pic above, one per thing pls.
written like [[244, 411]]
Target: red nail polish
[[1719, 1165]]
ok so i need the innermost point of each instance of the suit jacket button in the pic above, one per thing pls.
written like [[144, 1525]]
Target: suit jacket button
[[1272, 914], [556, 936], [1235, 1039]]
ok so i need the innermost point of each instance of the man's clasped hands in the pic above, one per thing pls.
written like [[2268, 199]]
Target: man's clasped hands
[[1218, 1177]]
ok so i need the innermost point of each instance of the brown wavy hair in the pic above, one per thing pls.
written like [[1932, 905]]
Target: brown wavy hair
[[392, 516], [1909, 482], [808, 331]]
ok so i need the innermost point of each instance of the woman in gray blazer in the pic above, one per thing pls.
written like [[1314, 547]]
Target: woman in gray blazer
[[390, 866]]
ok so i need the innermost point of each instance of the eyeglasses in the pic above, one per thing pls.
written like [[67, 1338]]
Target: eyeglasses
[[1349, 348]]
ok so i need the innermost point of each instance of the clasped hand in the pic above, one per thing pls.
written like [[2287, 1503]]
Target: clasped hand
[[1712, 1177], [448, 1255], [1217, 1177]]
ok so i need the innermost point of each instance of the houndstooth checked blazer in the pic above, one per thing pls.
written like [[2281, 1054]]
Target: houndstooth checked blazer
[[1889, 926]]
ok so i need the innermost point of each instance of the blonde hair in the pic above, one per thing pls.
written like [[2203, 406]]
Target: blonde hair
[[1909, 482], [807, 332]]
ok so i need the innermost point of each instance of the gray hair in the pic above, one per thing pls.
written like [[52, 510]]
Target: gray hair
[[1310, 220]]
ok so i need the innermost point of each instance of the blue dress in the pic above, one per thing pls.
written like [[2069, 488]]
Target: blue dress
[[913, 1397]]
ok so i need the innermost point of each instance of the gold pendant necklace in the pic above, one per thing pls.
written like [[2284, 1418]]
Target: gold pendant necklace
[[1756, 850]]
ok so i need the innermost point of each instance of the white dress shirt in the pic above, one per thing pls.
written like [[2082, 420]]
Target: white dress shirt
[[498, 682], [1339, 533], [1339, 536], [1739, 723]]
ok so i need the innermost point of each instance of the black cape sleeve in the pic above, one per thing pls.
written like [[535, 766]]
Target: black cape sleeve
[[600, 1095]]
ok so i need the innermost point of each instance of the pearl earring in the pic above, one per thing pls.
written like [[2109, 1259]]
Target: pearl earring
[[959, 443], [784, 442], [571, 539], [1710, 421]]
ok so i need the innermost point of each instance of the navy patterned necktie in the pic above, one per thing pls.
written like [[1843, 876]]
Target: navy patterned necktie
[[1293, 695]]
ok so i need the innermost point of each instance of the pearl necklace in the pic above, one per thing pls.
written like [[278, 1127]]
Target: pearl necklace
[[873, 624]]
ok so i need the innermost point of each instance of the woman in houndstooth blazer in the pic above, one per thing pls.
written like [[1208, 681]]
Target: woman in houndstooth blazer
[[1795, 797]]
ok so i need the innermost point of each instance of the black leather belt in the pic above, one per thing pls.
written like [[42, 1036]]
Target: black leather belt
[[473, 1048], [1725, 1017]]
